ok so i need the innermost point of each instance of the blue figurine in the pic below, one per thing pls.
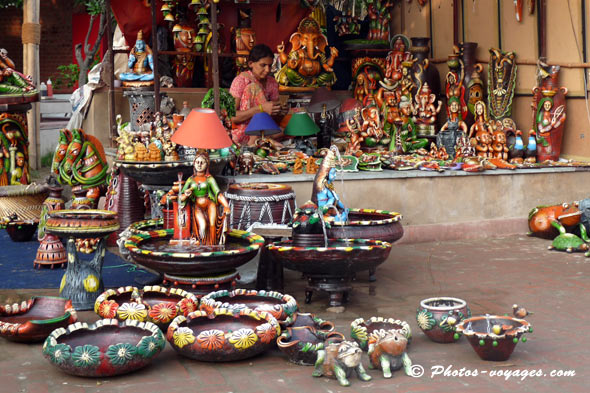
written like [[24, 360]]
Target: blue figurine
[[141, 62], [327, 196]]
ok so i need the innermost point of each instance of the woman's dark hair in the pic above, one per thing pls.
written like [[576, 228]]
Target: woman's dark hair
[[260, 51]]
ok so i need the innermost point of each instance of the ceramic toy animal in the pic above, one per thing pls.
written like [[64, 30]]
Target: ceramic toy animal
[[387, 351], [246, 163], [339, 360], [520, 312], [568, 241]]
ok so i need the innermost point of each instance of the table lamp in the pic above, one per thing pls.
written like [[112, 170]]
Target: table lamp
[[300, 126], [324, 101], [262, 124], [202, 129]]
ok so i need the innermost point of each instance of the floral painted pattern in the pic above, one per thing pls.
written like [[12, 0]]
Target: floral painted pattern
[[86, 356], [266, 332], [91, 283], [183, 336], [243, 338], [148, 347], [120, 354], [108, 309], [211, 339], [163, 312], [425, 319], [59, 353], [134, 311], [187, 306]]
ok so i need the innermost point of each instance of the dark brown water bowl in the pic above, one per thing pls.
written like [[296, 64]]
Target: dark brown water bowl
[[82, 223], [369, 224], [33, 320], [155, 173], [107, 348], [154, 251], [439, 316], [301, 344], [278, 305], [299, 319], [361, 330], [21, 231], [155, 304], [342, 258], [224, 335], [145, 226], [490, 345]]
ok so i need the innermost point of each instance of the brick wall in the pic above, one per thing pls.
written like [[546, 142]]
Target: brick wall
[[56, 35]]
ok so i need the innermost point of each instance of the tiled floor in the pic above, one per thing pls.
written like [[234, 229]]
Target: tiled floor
[[490, 274]]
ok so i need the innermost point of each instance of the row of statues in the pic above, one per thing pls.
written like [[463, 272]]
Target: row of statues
[[149, 145]]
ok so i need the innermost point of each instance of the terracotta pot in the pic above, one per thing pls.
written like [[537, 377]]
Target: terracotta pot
[[369, 224], [301, 344], [361, 330], [21, 231], [104, 349], [35, 319], [438, 317], [490, 345], [300, 319], [278, 305], [224, 335]]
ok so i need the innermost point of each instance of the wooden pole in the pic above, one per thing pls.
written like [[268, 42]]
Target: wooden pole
[[111, 92], [155, 55], [31, 38], [214, 56], [455, 22]]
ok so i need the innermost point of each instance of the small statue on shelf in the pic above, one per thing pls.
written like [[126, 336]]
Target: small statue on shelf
[[11, 81], [367, 75], [395, 58], [481, 119], [407, 129], [141, 63], [425, 111], [379, 12], [499, 148], [483, 144], [452, 129], [184, 65]]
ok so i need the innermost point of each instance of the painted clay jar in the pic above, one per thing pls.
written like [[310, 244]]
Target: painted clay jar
[[278, 305], [362, 331], [155, 304], [82, 223], [368, 224], [104, 349], [300, 319], [223, 335], [21, 231], [439, 316], [34, 319], [301, 344], [494, 337]]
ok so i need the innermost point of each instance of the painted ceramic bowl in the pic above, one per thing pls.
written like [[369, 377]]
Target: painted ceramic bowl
[[494, 337], [301, 344], [21, 231], [299, 319], [368, 224], [361, 330], [107, 348], [33, 320], [439, 316], [223, 335], [154, 304], [278, 305], [82, 223]]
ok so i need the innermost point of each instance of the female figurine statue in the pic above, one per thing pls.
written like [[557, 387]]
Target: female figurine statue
[[481, 119], [12, 81], [324, 194], [547, 121], [201, 189], [454, 128]]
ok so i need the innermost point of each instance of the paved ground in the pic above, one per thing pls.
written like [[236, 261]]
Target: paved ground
[[490, 274]]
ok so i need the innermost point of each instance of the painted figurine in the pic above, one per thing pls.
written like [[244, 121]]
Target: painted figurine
[[481, 119], [452, 129], [379, 12], [395, 58], [425, 111], [367, 75], [339, 360], [307, 65], [12, 81], [454, 83], [501, 83], [14, 156], [141, 63], [407, 130], [387, 351], [184, 65]]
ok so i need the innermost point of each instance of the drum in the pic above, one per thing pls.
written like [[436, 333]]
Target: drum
[[259, 203]]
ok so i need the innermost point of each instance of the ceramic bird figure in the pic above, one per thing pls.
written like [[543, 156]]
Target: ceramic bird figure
[[531, 147], [520, 312]]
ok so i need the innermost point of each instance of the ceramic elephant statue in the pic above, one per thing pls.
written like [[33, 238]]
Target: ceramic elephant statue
[[387, 351], [339, 360]]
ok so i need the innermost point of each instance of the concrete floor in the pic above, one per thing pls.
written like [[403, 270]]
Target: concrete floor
[[490, 274]]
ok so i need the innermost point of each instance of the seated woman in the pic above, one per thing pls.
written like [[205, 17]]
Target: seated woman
[[255, 91]]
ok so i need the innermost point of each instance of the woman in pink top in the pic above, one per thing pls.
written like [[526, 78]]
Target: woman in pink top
[[255, 91]]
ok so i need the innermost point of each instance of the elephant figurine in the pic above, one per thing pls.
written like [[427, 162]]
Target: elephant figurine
[[338, 360], [307, 64], [387, 351]]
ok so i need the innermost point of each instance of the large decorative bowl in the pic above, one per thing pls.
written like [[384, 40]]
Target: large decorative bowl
[[82, 223], [151, 249], [107, 348], [155, 304], [299, 319], [490, 345], [278, 305], [223, 335], [301, 344], [34, 319], [21, 231], [155, 173], [439, 316], [361, 330], [369, 224]]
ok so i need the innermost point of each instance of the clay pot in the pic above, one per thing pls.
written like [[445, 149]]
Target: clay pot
[[278, 305], [21, 231], [361, 330], [224, 335], [82, 223], [105, 349], [494, 346], [368, 224], [300, 319], [438, 317], [35, 319], [301, 344]]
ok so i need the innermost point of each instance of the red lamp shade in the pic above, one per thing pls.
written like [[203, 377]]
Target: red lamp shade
[[202, 129]]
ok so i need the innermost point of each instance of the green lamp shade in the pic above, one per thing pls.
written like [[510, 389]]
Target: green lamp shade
[[301, 125]]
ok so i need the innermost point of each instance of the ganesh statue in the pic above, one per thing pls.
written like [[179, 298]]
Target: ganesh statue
[[426, 108], [549, 112], [395, 58], [306, 66], [79, 161], [184, 64]]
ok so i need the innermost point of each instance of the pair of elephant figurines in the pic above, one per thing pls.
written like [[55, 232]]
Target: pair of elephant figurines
[[387, 351]]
